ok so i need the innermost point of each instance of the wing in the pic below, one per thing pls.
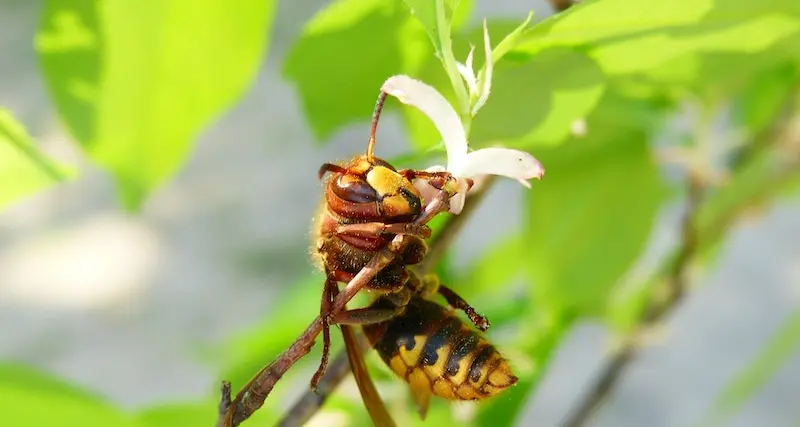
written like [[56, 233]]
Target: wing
[[372, 400]]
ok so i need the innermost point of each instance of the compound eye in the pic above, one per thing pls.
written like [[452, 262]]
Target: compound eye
[[355, 189]]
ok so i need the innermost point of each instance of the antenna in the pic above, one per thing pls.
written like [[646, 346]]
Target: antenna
[[376, 114]]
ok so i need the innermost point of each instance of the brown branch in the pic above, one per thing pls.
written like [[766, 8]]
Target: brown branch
[[675, 287], [691, 240], [310, 402], [224, 402], [253, 394], [305, 407], [561, 5]]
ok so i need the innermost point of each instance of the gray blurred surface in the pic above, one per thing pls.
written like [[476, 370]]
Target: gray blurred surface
[[124, 304]]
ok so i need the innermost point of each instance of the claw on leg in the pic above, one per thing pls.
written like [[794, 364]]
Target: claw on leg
[[458, 303]]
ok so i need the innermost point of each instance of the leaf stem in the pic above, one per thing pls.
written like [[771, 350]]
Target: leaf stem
[[449, 62], [16, 135]]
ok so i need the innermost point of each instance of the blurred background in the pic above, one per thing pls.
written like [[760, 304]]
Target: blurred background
[[138, 306]]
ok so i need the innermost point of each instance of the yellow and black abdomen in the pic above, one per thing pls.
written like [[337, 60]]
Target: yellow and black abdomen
[[435, 352]]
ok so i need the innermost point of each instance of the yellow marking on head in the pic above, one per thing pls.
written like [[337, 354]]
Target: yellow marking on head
[[359, 165], [397, 365], [437, 369], [411, 357], [386, 181], [395, 205], [443, 388]]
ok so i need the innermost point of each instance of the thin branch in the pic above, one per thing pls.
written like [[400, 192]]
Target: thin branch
[[224, 401], [253, 394], [311, 402], [691, 240], [308, 405], [676, 287], [561, 5]]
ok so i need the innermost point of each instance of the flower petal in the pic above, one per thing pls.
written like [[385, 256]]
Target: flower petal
[[457, 201], [435, 106], [514, 164], [468, 73], [485, 85]]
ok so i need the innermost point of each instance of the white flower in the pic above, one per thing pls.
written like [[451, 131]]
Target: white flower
[[479, 89], [461, 163]]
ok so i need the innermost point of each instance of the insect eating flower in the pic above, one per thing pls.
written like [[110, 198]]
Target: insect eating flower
[[461, 162]]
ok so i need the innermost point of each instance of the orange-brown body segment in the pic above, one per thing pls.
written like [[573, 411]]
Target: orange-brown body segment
[[363, 192]]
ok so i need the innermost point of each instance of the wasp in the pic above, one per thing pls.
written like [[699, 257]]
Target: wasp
[[430, 348], [368, 202]]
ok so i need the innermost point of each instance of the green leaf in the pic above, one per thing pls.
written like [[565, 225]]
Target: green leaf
[[23, 168], [71, 48], [534, 103], [537, 102], [346, 52], [749, 381], [592, 214], [137, 81], [31, 398], [762, 100], [496, 267], [344, 55], [715, 76], [456, 11], [180, 414], [626, 37], [510, 40]]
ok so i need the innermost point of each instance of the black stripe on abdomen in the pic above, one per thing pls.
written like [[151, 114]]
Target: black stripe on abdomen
[[439, 339], [481, 358], [466, 342]]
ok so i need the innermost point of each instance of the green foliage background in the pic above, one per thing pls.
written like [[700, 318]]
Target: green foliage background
[[136, 82]]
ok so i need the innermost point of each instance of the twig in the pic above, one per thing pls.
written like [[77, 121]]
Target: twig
[[307, 405], [561, 5], [253, 394], [692, 238], [339, 369], [224, 401], [676, 287]]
